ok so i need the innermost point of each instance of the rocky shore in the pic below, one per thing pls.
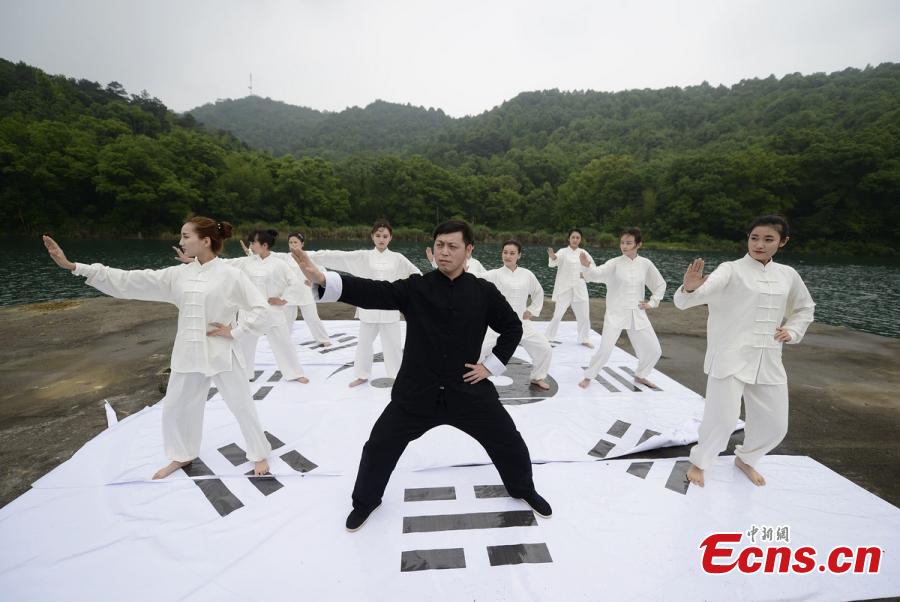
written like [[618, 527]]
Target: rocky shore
[[61, 360]]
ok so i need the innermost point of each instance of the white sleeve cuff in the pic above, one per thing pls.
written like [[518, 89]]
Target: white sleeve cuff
[[334, 286], [494, 365], [237, 332]]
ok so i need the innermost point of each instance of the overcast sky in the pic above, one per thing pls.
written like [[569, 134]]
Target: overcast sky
[[459, 55]]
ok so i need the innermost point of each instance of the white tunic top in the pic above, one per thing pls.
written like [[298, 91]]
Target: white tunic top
[[747, 302], [273, 278], [625, 279], [517, 285], [475, 267], [568, 274], [372, 264], [301, 293], [203, 293]]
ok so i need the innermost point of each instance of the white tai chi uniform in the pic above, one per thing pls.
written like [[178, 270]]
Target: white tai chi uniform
[[747, 302], [203, 293], [305, 301], [570, 289], [517, 285], [375, 265], [273, 278], [625, 279]]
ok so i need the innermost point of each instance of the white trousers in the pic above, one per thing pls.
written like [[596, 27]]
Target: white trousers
[[185, 401], [535, 344], [286, 356], [766, 420], [582, 316], [311, 317], [391, 346], [646, 347]]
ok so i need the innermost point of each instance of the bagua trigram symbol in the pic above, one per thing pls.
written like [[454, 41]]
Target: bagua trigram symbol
[[342, 341], [520, 391], [217, 493], [455, 558]]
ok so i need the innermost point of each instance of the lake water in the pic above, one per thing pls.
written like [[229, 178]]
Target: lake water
[[859, 294]]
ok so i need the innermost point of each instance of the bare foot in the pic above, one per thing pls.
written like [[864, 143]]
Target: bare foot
[[588, 344], [585, 383], [358, 382], [695, 475], [162, 473], [541, 384], [260, 468], [645, 382], [302, 380], [755, 478]]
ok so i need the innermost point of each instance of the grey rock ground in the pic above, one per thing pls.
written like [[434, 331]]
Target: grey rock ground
[[61, 359]]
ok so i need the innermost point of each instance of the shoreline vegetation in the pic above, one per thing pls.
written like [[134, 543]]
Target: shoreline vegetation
[[691, 166], [484, 234]]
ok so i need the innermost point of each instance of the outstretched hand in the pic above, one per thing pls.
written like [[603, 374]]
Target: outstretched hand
[[693, 277], [477, 373], [429, 254], [551, 253], [584, 259], [56, 254], [180, 256], [309, 269]]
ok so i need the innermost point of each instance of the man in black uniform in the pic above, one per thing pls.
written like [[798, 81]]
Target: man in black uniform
[[447, 312]]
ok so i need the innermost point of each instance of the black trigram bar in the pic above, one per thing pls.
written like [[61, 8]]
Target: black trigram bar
[[678, 481], [631, 372], [604, 382], [426, 494], [296, 461], [345, 339], [261, 394], [475, 520], [647, 434], [330, 349], [212, 392], [486, 491], [519, 554], [274, 441], [266, 485], [234, 454], [618, 429], [276, 376], [256, 374], [215, 490], [602, 448], [629, 386], [423, 560], [639, 469]]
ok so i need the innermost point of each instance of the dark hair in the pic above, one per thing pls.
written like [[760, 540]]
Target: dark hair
[[636, 232], [569, 235], [215, 231], [777, 222], [382, 223], [266, 237], [297, 235], [449, 227], [515, 243]]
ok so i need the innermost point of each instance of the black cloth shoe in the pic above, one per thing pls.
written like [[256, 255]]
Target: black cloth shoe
[[538, 504], [357, 518]]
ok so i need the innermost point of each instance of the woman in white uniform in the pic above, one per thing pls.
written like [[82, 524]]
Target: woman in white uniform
[[280, 286], [755, 306], [570, 288], [307, 304], [517, 285], [626, 277], [208, 294], [379, 263]]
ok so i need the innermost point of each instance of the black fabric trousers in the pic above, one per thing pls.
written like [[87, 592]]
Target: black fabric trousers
[[487, 422]]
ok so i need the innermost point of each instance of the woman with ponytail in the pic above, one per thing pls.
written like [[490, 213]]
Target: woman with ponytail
[[208, 294]]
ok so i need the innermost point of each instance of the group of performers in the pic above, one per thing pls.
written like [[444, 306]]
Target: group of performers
[[463, 324]]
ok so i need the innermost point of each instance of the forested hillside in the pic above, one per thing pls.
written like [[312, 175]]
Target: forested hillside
[[688, 165]]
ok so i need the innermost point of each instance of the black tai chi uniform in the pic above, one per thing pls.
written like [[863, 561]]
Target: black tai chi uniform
[[446, 322]]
